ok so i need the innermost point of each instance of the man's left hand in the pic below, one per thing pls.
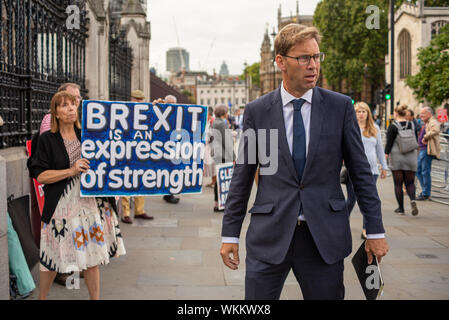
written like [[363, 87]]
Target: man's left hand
[[377, 247]]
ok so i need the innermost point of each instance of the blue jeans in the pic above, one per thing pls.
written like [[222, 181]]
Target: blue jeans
[[423, 172], [352, 198]]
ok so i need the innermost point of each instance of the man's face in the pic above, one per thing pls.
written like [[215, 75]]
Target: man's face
[[75, 92], [170, 100], [298, 77], [425, 115]]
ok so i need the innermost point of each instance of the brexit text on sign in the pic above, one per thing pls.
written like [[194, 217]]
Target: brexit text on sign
[[224, 176], [142, 149]]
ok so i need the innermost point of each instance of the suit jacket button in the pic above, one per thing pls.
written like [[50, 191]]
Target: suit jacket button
[[301, 187]]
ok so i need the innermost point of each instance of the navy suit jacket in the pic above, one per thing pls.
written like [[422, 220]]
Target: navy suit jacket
[[334, 137]]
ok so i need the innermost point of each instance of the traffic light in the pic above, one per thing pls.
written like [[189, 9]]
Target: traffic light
[[387, 92], [379, 96]]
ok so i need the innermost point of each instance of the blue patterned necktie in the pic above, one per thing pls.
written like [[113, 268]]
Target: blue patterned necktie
[[299, 138]]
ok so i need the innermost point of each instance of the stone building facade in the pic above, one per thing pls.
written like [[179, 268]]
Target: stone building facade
[[415, 26], [234, 92], [130, 17]]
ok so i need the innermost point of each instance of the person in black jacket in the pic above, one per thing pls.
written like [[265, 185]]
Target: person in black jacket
[[402, 165], [77, 233]]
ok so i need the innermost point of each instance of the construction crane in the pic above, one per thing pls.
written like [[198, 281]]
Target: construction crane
[[183, 64], [208, 54]]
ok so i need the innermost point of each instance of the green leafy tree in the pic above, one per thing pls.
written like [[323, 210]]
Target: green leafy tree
[[432, 81], [189, 96], [253, 71], [427, 3], [353, 50]]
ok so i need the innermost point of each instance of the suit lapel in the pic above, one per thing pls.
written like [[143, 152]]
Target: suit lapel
[[277, 122], [316, 122]]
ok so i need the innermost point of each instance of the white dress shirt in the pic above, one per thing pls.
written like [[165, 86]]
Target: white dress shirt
[[287, 108]]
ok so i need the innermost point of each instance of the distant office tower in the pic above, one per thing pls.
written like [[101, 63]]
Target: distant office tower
[[224, 71], [177, 59]]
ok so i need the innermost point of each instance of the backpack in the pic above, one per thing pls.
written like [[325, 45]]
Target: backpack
[[406, 138]]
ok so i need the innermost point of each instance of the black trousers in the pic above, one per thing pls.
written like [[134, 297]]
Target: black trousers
[[318, 280]]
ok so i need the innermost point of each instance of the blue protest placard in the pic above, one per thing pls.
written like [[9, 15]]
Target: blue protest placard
[[224, 176], [141, 149]]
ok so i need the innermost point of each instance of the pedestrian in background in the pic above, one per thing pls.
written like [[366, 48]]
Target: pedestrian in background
[[76, 232], [169, 197], [372, 143], [402, 165], [410, 116], [222, 143], [429, 148], [377, 120], [139, 201], [209, 164]]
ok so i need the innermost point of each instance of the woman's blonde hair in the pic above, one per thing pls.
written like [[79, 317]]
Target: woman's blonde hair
[[56, 101], [401, 110], [370, 129]]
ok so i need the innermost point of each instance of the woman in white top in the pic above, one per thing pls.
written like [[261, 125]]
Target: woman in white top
[[372, 142]]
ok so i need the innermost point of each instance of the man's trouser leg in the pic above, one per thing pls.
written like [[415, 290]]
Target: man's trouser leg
[[318, 280], [125, 206], [426, 171], [420, 168], [139, 203]]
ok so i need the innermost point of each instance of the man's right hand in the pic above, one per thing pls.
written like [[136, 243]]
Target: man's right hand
[[226, 250]]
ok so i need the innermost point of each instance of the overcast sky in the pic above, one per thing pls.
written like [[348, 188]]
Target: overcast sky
[[213, 31]]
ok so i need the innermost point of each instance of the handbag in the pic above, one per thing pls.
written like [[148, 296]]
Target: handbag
[[406, 138]]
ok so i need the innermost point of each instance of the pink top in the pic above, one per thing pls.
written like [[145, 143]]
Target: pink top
[[45, 124]]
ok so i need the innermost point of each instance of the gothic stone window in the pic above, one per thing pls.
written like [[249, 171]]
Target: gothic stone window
[[405, 54], [436, 27]]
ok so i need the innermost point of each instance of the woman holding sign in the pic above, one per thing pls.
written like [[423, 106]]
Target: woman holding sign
[[77, 233]]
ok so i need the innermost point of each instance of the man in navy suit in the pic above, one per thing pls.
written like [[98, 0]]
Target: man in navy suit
[[299, 219]]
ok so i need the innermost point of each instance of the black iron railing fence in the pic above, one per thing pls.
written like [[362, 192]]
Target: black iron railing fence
[[37, 54], [120, 65]]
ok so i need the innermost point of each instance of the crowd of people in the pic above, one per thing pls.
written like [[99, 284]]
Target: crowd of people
[[84, 232], [78, 233], [411, 145]]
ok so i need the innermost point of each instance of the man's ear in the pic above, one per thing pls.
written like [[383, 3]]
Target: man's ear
[[281, 63]]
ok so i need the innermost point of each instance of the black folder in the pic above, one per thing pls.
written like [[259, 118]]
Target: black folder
[[369, 275]]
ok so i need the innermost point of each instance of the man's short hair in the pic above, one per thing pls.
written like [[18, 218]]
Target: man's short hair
[[64, 86], [411, 112], [293, 34], [171, 97], [428, 109], [221, 110]]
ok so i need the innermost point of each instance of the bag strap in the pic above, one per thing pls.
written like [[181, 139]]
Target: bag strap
[[397, 125]]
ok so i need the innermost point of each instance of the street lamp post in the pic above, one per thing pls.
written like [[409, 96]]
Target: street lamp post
[[392, 54], [273, 34]]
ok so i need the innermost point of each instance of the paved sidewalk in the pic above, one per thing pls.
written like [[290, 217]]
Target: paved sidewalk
[[176, 256]]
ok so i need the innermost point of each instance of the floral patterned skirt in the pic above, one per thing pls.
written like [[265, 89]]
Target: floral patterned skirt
[[82, 233]]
